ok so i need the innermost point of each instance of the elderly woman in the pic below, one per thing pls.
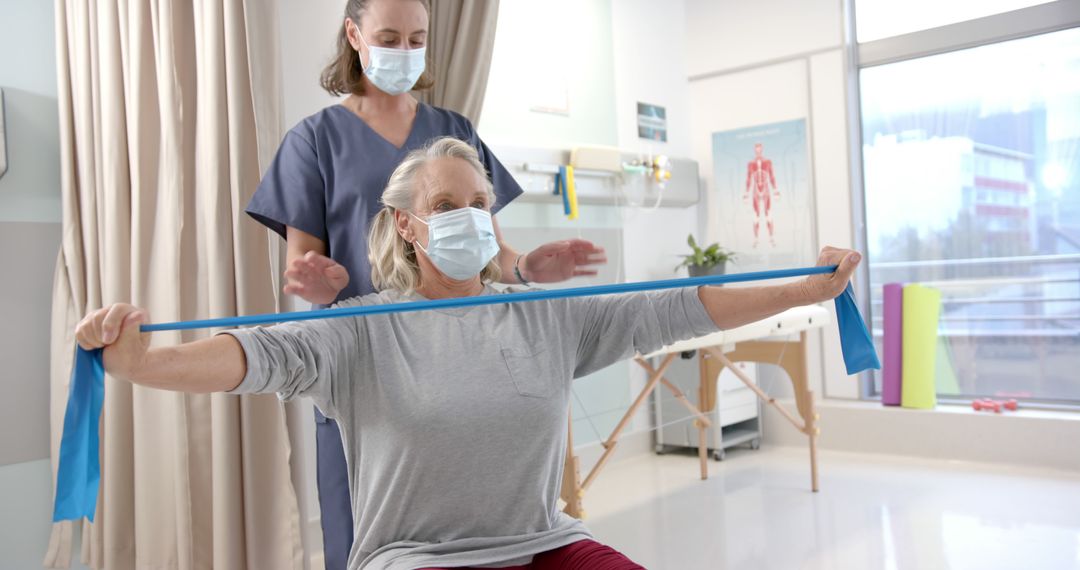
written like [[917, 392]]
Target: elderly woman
[[454, 420]]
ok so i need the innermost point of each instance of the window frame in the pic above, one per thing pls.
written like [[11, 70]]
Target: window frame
[[997, 28]]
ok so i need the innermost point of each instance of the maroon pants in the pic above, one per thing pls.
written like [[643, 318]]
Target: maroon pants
[[580, 555]]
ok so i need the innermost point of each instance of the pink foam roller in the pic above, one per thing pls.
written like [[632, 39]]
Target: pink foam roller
[[893, 342]]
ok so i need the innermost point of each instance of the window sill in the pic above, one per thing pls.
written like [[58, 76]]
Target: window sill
[[956, 408], [1033, 438]]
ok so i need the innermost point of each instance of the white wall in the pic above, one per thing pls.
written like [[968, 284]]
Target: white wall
[[543, 55], [308, 36], [30, 191], [26, 518], [651, 67], [29, 222], [727, 34], [765, 62], [29, 240]]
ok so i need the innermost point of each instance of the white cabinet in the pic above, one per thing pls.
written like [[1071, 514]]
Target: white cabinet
[[735, 415]]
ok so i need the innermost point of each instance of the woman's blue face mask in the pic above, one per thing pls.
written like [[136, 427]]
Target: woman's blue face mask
[[394, 71], [460, 242]]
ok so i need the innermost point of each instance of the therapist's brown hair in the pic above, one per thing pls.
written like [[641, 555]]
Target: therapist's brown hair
[[344, 74]]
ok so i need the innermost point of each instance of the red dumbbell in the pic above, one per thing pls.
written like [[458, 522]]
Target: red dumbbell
[[995, 406]]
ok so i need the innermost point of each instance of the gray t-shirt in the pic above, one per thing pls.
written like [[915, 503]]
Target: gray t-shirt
[[454, 420]]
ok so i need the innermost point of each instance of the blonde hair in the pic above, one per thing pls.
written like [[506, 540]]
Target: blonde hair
[[393, 260], [345, 74]]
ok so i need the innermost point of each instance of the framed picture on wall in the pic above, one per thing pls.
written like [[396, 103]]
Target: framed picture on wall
[[763, 195], [652, 122]]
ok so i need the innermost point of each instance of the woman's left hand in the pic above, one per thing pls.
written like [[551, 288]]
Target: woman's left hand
[[828, 286], [315, 278], [561, 260]]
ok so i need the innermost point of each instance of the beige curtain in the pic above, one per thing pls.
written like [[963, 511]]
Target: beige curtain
[[164, 115], [461, 39]]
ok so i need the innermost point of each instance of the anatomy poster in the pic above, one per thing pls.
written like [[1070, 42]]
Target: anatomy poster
[[762, 202]]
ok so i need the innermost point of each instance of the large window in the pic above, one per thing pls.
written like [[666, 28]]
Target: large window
[[971, 174]]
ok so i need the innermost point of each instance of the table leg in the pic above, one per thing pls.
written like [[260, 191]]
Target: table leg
[[701, 422], [718, 355], [613, 439], [812, 432], [572, 492], [793, 360], [702, 456]]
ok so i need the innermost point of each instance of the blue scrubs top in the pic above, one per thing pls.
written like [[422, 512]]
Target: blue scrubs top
[[330, 172]]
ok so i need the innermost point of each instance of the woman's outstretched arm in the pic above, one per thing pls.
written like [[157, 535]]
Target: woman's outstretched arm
[[732, 307], [214, 364]]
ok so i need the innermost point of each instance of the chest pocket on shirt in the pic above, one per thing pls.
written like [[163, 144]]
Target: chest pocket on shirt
[[530, 371]]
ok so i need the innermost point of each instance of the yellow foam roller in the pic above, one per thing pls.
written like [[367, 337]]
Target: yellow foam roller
[[922, 308]]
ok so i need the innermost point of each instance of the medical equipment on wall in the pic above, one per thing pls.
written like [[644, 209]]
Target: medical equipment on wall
[[605, 176], [657, 168], [645, 170], [600, 158], [654, 171]]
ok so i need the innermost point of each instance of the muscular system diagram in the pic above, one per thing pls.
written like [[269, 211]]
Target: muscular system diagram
[[759, 181]]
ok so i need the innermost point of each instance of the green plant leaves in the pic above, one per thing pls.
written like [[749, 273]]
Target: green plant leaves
[[708, 257]]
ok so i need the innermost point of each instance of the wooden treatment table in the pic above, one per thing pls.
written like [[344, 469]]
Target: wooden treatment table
[[717, 351]]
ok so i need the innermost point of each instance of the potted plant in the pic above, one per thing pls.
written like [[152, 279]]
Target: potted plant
[[710, 260]]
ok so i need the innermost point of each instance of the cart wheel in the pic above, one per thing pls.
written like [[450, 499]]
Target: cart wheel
[[718, 454], [755, 443], [660, 449]]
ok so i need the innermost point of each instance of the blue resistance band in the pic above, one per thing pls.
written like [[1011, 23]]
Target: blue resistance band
[[79, 472]]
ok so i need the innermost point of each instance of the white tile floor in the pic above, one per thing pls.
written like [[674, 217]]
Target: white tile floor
[[756, 512]]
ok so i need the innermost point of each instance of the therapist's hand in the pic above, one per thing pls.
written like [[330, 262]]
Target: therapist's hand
[[116, 328], [828, 286], [561, 260], [315, 278]]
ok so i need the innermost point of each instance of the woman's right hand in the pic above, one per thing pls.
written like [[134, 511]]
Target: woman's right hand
[[116, 328], [315, 278]]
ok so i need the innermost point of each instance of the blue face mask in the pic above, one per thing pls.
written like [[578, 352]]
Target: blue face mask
[[460, 242], [394, 71]]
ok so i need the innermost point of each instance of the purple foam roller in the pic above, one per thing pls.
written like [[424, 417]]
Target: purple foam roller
[[891, 372]]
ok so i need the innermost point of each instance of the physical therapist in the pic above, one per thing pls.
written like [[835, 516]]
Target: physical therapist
[[322, 191]]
